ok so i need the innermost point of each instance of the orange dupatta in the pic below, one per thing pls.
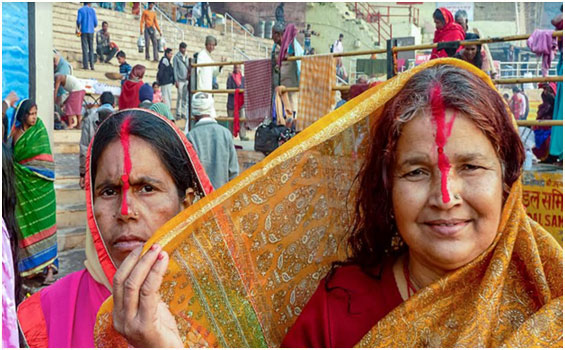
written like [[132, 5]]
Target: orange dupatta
[[247, 258]]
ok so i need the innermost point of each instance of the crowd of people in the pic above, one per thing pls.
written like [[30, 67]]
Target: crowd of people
[[449, 238]]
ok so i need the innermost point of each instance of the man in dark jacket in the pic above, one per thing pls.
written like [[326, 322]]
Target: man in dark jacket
[[166, 76]]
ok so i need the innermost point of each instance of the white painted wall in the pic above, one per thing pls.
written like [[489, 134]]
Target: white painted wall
[[44, 63]]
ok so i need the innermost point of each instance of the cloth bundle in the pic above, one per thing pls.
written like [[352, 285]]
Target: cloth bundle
[[542, 43]]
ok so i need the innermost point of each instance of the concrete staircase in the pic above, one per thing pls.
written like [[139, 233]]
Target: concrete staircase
[[71, 203], [124, 31]]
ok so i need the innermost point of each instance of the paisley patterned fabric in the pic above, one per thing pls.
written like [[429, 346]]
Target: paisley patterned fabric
[[247, 257]]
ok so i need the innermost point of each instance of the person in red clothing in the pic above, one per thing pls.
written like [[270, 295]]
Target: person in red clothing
[[129, 98], [446, 30], [518, 104]]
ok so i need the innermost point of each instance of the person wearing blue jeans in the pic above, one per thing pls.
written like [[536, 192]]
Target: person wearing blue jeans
[[86, 22]]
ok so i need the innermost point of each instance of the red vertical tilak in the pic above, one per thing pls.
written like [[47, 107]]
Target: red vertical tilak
[[124, 138], [442, 133]]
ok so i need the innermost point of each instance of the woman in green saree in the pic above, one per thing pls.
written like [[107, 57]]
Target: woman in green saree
[[36, 208]]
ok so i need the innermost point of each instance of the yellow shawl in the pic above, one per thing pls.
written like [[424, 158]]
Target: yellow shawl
[[246, 259]]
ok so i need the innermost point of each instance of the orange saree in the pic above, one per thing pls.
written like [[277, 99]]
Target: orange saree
[[247, 258]]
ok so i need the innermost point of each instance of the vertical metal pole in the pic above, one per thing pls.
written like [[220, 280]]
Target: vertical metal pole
[[389, 59], [379, 25], [189, 104]]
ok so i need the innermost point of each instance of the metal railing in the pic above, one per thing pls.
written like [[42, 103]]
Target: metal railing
[[392, 49], [524, 69], [383, 28], [245, 33], [241, 52], [177, 32]]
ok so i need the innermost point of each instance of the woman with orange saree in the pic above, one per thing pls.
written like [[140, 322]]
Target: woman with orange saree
[[437, 225], [136, 155]]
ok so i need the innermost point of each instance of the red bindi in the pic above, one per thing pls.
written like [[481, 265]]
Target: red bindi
[[124, 139], [442, 133]]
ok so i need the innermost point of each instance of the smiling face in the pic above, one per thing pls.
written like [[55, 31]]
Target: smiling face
[[152, 198], [469, 52], [441, 235]]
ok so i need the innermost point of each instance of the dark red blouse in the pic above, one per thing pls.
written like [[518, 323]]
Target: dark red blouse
[[341, 316]]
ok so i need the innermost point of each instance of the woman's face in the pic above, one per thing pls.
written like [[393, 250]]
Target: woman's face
[[31, 117], [439, 24], [469, 52], [445, 236], [152, 198]]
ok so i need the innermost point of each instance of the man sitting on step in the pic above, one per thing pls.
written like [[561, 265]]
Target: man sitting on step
[[105, 49], [90, 126]]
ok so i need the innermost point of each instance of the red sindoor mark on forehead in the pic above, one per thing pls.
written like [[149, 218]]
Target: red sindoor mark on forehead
[[124, 138], [442, 133]]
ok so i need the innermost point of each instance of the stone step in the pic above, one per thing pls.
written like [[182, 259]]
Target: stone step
[[66, 148], [125, 32], [69, 192], [71, 237], [70, 261], [61, 136], [66, 166], [67, 12], [128, 43], [71, 215]]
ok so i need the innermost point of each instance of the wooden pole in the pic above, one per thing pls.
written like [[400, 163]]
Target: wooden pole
[[291, 89], [558, 33], [347, 87], [539, 122], [529, 80]]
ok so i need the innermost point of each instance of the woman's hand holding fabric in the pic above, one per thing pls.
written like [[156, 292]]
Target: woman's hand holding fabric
[[139, 313]]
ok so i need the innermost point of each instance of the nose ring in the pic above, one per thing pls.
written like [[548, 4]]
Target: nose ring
[[457, 196]]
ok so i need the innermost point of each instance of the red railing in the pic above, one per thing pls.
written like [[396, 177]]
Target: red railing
[[378, 16]]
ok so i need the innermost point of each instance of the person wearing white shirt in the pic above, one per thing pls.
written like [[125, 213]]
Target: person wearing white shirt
[[207, 74], [338, 45]]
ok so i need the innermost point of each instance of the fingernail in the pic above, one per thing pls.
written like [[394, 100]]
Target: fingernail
[[155, 246], [161, 256]]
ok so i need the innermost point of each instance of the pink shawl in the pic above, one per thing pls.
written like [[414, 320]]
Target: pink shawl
[[63, 314], [288, 38], [542, 43]]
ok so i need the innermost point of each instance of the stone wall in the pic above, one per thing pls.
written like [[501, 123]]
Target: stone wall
[[253, 12]]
